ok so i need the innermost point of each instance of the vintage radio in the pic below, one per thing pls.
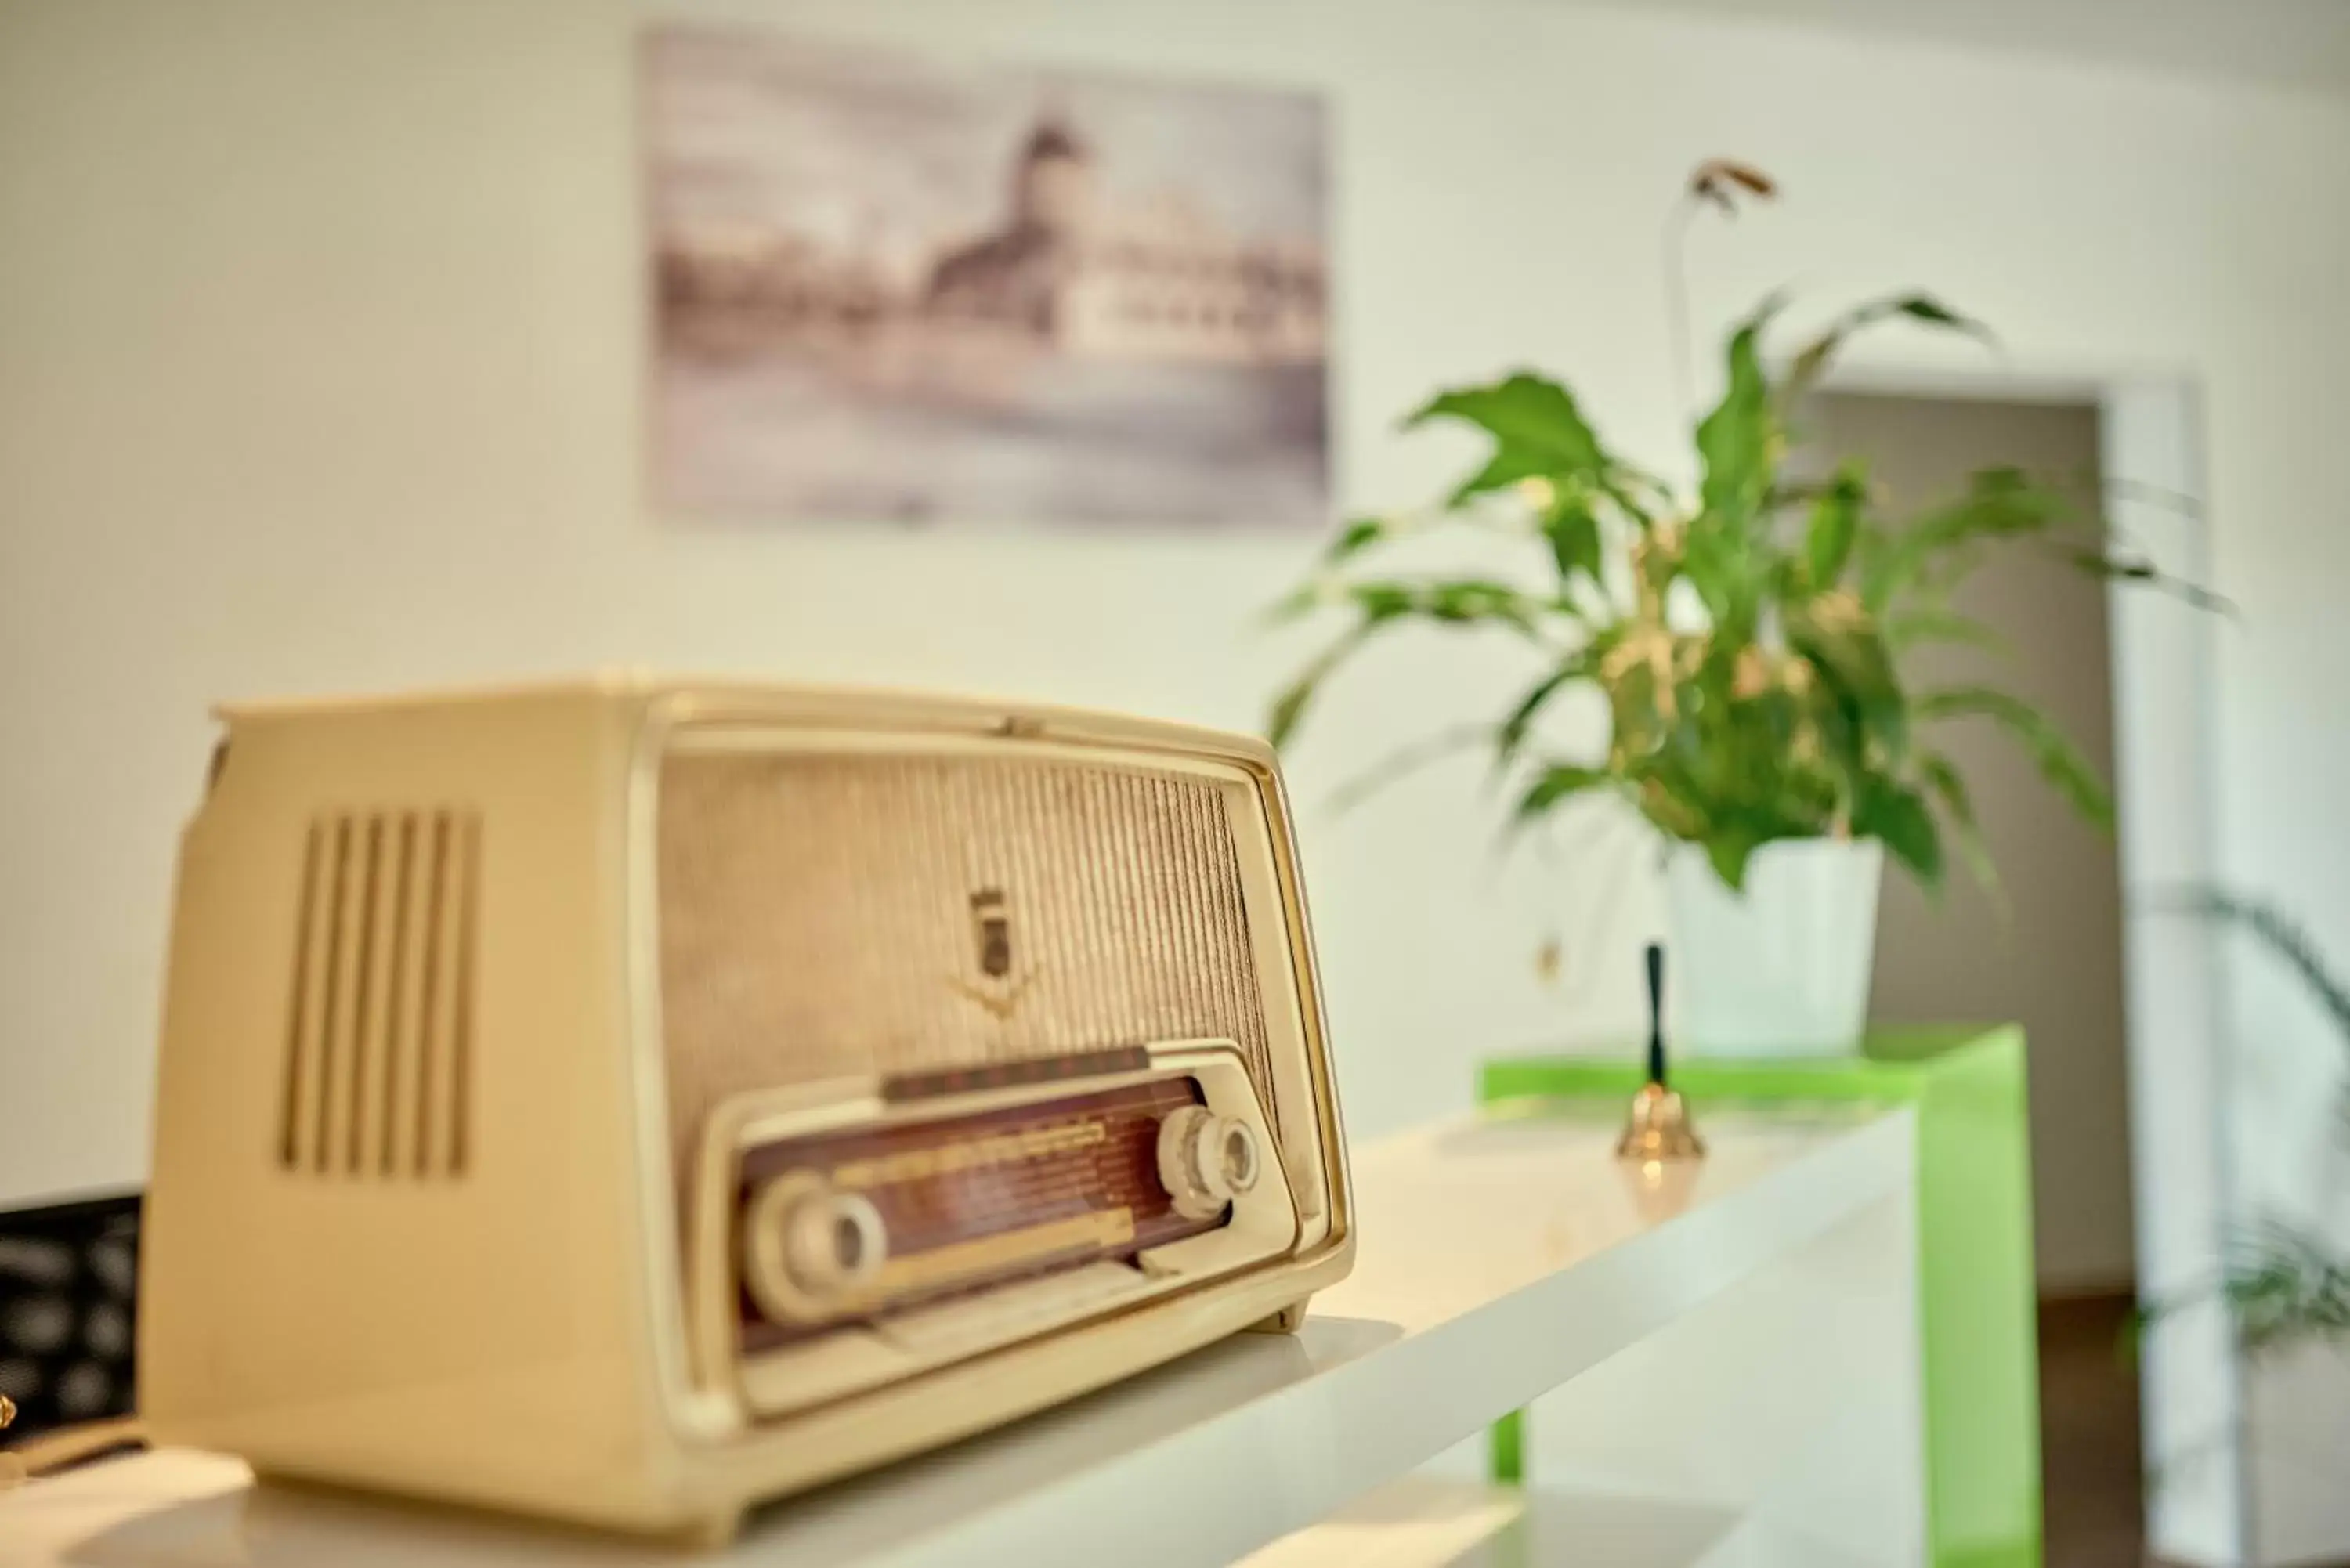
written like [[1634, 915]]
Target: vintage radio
[[626, 1101]]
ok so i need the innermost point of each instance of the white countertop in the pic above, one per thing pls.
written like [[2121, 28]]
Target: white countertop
[[1498, 1258]]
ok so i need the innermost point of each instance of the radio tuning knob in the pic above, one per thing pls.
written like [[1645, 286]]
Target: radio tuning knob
[[1206, 1160], [810, 1251]]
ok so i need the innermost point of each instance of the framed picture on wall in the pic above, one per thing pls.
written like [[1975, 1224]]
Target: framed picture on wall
[[888, 287]]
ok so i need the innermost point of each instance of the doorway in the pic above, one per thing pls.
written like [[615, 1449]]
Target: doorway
[[2046, 950]]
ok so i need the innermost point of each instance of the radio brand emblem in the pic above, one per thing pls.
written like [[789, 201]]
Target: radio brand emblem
[[990, 922], [991, 933]]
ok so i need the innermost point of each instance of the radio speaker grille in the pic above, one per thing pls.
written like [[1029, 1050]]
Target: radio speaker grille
[[823, 916], [379, 1015]]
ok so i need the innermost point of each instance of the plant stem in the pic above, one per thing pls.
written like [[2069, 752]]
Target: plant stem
[[1406, 759], [1677, 305]]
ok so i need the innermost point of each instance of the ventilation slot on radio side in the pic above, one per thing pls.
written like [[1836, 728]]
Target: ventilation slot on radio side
[[379, 1009]]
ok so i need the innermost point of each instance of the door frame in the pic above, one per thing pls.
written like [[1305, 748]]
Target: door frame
[[2175, 966]]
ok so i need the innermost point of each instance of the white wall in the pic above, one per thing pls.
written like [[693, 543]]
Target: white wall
[[319, 354]]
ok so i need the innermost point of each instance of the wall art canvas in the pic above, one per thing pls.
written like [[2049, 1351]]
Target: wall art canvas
[[894, 287]]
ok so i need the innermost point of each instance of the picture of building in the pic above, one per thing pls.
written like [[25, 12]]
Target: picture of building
[[891, 288]]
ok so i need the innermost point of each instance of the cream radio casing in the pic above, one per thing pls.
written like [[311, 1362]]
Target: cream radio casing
[[626, 1101]]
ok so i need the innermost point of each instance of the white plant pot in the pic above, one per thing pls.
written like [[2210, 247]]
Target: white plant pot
[[1782, 970]]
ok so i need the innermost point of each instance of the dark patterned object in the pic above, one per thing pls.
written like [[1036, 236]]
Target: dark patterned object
[[68, 1300]]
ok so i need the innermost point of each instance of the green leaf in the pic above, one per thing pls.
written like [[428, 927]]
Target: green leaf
[[2131, 569], [1304, 599], [1715, 560], [1554, 785], [1999, 503], [1511, 734], [1913, 629], [1537, 431], [1506, 467], [1357, 536], [2054, 756], [1572, 530], [1942, 777], [1288, 711], [1472, 599], [1289, 705], [1835, 520], [1464, 602], [1454, 602], [2284, 1285], [1381, 601], [1739, 440], [1851, 658], [1404, 760], [1811, 364], [2291, 945], [1524, 411], [1898, 816], [1730, 848], [1924, 307], [1639, 494]]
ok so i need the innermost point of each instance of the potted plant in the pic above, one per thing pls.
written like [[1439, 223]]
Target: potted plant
[[2285, 1283], [1746, 637]]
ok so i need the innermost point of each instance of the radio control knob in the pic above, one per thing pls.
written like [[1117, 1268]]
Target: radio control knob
[[1206, 1160], [809, 1250]]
